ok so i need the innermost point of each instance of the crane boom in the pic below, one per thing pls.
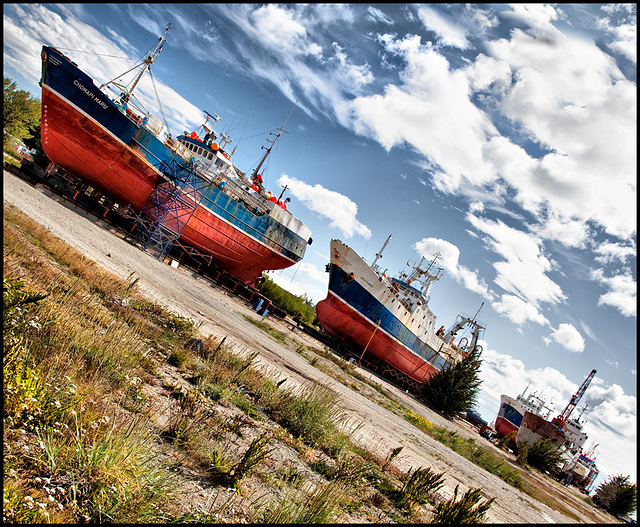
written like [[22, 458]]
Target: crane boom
[[562, 418]]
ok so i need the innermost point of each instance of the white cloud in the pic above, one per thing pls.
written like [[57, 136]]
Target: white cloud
[[622, 292], [625, 35], [431, 111], [522, 273], [378, 16], [518, 311], [281, 32], [567, 336], [569, 232], [570, 97], [339, 209], [449, 33], [610, 252]]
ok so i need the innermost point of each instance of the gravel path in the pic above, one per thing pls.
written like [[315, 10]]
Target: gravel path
[[375, 426]]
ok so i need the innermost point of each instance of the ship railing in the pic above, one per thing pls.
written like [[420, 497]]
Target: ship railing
[[253, 201]]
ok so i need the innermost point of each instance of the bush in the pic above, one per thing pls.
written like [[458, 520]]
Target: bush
[[313, 414], [418, 485], [617, 496], [294, 306], [544, 455], [453, 390], [466, 510]]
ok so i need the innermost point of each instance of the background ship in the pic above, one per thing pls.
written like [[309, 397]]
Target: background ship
[[524, 415], [390, 317], [512, 411], [186, 187]]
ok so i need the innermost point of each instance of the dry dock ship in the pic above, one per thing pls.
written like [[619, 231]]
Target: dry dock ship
[[390, 317], [188, 183]]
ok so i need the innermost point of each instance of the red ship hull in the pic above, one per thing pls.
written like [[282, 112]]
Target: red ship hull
[[240, 255], [81, 145], [113, 168], [504, 427], [339, 319]]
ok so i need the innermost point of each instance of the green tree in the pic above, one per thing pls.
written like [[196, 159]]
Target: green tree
[[617, 496], [35, 142], [20, 112], [453, 391], [291, 304]]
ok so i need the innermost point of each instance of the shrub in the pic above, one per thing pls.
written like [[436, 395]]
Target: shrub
[[453, 390], [617, 496], [418, 485], [468, 509], [254, 455], [544, 455], [313, 413]]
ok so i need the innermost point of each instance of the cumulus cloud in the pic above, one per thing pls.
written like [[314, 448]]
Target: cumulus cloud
[[522, 272], [571, 99], [339, 209], [449, 33], [621, 294], [518, 311], [567, 336], [430, 111], [624, 35], [610, 252], [281, 32]]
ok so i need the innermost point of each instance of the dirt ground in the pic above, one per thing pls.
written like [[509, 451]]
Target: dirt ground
[[376, 427]]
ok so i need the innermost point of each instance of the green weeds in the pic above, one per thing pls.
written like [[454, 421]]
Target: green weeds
[[468, 509], [85, 444]]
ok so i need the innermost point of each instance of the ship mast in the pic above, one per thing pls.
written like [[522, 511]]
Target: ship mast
[[126, 94], [255, 172], [379, 254], [431, 278]]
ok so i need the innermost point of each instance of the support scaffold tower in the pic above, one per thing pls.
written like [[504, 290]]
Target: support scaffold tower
[[169, 208]]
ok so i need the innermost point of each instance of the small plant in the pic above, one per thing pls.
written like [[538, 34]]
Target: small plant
[[178, 358], [314, 413], [257, 452], [418, 485], [544, 455], [353, 469], [468, 509], [392, 455], [299, 507]]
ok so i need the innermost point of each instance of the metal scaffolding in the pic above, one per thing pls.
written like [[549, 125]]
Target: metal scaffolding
[[169, 208]]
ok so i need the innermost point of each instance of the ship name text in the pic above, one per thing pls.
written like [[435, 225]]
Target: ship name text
[[89, 93]]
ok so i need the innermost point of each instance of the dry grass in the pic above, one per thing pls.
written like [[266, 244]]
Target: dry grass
[[96, 432]]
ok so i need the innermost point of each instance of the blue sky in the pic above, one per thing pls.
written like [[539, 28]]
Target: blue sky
[[501, 136]]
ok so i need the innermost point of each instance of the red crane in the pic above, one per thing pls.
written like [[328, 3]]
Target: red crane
[[562, 418]]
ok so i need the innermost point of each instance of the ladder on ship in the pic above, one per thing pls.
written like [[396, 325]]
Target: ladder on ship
[[169, 208]]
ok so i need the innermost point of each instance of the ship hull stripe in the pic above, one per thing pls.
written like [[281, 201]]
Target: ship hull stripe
[[341, 319]]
